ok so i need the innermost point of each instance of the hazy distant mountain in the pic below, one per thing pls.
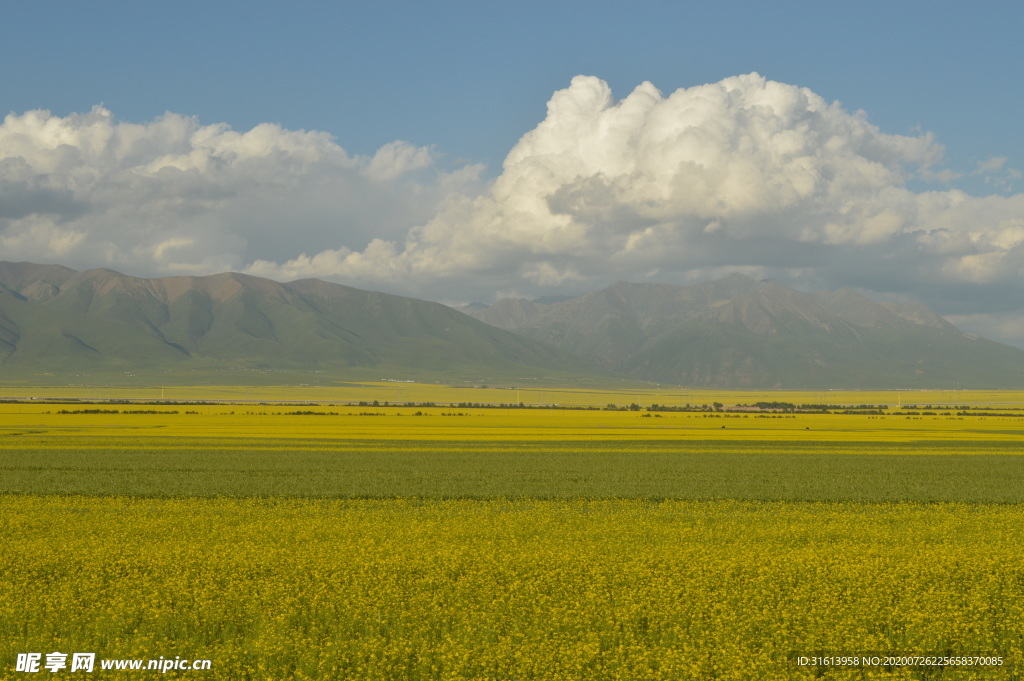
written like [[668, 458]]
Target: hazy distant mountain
[[741, 333], [57, 319], [734, 333]]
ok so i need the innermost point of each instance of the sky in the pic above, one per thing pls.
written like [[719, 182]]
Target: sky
[[459, 151]]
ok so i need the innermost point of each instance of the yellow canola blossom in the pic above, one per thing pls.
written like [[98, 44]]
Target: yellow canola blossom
[[106, 426], [501, 589]]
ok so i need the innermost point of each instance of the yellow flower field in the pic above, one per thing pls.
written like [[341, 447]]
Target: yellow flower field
[[424, 589], [526, 391], [341, 541], [41, 424]]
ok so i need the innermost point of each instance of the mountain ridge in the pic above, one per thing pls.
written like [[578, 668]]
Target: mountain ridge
[[53, 317], [740, 333], [732, 333]]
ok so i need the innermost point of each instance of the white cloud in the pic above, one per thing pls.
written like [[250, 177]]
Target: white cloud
[[174, 196], [995, 172], [991, 165], [746, 174], [396, 159], [1005, 327]]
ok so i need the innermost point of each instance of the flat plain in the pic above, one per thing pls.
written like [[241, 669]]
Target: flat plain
[[325, 539]]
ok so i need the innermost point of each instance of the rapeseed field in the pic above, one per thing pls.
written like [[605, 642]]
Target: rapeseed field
[[347, 542], [501, 589]]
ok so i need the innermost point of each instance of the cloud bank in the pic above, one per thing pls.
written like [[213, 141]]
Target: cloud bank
[[176, 197], [745, 175]]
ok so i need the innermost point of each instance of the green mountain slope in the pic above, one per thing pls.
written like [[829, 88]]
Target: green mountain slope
[[55, 319]]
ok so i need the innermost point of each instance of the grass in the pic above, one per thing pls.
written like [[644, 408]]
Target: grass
[[793, 471]]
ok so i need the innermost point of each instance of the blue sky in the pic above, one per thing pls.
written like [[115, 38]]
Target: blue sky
[[472, 77], [391, 121]]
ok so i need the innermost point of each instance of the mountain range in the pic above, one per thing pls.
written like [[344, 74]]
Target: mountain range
[[740, 333], [56, 319], [731, 333]]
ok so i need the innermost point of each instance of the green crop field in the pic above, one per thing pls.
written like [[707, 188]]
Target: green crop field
[[339, 541], [440, 469]]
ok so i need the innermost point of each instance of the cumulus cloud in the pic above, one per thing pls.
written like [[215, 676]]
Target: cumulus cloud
[[174, 196], [745, 174]]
